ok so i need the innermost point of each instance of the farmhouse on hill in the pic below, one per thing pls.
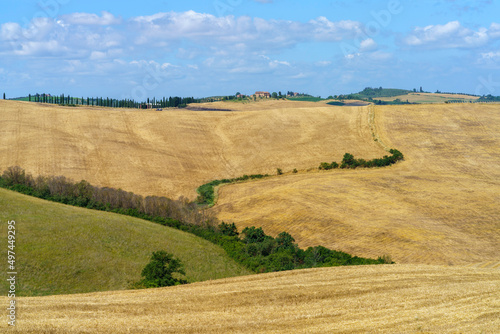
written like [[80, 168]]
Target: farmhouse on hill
[[263, 94]]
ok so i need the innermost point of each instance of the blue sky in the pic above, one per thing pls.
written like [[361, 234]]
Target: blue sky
[[218, 47]]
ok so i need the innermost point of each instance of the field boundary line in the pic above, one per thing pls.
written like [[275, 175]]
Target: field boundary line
[[373, 128]]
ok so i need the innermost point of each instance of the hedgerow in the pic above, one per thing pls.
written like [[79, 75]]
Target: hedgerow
[[350, 162]]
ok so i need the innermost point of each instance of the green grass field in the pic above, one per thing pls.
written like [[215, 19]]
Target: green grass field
[[62, 249]]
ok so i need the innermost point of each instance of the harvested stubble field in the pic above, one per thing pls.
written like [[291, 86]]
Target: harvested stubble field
[[439, 206], [378, 299], [172, 152]]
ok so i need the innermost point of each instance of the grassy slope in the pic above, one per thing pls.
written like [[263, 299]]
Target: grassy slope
[[361, 299], [62, 249], [439, 206]]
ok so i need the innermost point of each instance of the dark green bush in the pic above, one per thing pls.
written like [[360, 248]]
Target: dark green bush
[[159, 272]]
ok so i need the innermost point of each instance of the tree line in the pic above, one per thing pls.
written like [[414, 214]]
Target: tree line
[[67, 100], [252, 248]]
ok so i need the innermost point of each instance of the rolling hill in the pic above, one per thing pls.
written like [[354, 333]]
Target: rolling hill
[[436, 207], [62, 249], [380, 299], [172, 152], [439, 206]]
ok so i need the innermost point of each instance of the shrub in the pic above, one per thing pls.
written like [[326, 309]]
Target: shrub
[[228, 229], [253, 235], [14, 175]]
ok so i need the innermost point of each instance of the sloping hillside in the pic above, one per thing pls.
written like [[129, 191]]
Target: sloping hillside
[[439, 206], [361, 299], [430, 97], [172, 152], [62, 249]]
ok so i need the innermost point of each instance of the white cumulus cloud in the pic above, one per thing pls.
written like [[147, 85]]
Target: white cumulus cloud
[[449, 35], [106, 18], [368, 45]]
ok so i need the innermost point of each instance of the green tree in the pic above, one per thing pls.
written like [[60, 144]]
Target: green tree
[[285, 241], [253, 235], [348, 159], [275, 95], [4, 96], [159, 272], [228, 229]]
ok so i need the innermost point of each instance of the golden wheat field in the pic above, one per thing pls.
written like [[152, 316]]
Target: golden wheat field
[[172, 152], [361, 299], [439, 206]]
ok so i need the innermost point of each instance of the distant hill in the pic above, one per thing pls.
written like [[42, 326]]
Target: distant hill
[[63, 250], [369, 92], [385, 96]]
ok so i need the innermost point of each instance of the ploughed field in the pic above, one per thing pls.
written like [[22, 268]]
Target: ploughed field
[[381, 299]]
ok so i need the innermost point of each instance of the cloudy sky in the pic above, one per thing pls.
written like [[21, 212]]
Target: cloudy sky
[[140, 49]]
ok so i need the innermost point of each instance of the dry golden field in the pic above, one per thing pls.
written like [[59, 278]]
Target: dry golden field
[[439, 206], [361, 299], [429, 97], [172, 152]]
